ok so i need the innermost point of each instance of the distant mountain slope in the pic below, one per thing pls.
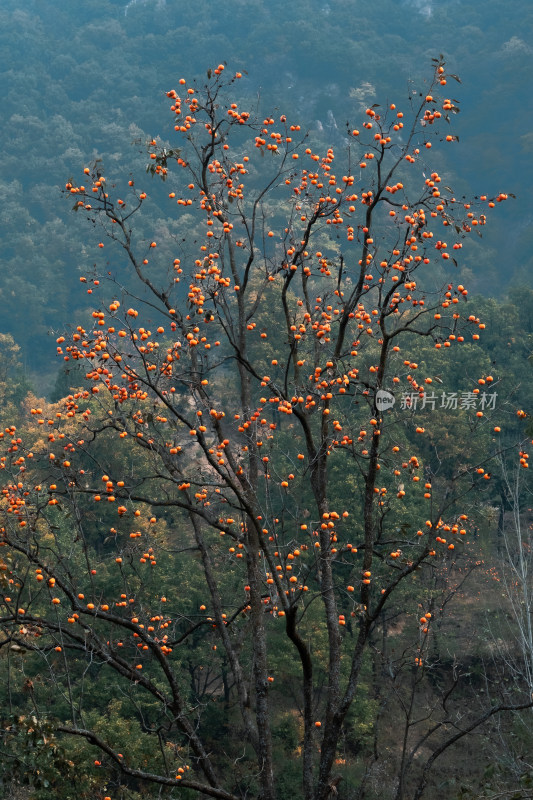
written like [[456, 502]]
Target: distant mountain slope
[[84, 80]]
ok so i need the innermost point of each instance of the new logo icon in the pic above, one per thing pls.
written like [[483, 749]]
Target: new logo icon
[[384, 400]]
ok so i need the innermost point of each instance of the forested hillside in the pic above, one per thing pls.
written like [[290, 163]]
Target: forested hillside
[[81, 81], [265, 363]]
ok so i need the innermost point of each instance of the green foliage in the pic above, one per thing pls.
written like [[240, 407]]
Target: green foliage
[[33, 756], [13, 384]]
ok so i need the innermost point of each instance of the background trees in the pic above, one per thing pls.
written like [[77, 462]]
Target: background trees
[[220, 535], [61, 108]]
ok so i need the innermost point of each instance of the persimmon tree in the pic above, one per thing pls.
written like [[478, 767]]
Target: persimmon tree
[[231, 486]]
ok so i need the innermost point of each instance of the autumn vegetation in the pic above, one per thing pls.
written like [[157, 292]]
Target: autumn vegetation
[[227, 569]]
